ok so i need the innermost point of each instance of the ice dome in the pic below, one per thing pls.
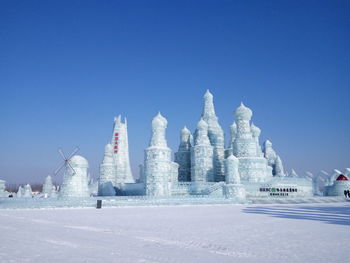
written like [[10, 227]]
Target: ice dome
[[79, 161], [202, 125], [243, 113], [108, 148], [159, 121], [185, 131]]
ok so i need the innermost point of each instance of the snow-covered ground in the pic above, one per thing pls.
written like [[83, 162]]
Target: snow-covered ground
[[206, 233]]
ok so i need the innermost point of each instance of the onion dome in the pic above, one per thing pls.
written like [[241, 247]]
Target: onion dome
[[78, 161], [185, 131], [267, 143], [202, 125], [342, 177], [243, 113], [108, 148], [159, 121], [255, 130], [232, 158]]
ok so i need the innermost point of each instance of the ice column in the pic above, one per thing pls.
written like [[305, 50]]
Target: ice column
[[216, 136], [201, 157], [233, 186], [107, 173], [183, 156], [159, 171], [75, 180]]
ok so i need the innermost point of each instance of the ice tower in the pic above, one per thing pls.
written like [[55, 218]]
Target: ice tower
[[183, 156], [252, 166], [160, 172], [121, 152], [216, 136], [202, 170]]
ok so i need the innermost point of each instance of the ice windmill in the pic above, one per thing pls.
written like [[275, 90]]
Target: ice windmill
[[66, 161]]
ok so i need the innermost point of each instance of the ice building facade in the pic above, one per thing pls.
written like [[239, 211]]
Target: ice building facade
[[202, 165]]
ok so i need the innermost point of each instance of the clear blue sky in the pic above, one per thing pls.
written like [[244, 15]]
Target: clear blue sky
[[68, 67]]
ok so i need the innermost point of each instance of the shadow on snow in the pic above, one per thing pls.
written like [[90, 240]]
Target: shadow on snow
[[339, 215]]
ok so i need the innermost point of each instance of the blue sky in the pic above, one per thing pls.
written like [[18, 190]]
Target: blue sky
[[68, 67]]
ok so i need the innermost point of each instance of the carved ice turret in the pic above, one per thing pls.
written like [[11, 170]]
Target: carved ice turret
[[216, 136], [202, 156], [121, 152], [256, 133], [159, 171], [278, 168], [75, 182], [252, 165], [244, 144], [273, 159], [233, 187], [107, 173], [183, 156]]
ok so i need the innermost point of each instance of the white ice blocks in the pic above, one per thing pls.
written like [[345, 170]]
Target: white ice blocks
[[160, 173], [75, 182]]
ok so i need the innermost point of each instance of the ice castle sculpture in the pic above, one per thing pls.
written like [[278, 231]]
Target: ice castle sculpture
[[75, 181], [160, 173], [202, 165], [115, 169]]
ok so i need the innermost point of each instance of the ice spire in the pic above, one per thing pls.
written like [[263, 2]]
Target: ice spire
[[202, 133], [120, 146], [183, 156]]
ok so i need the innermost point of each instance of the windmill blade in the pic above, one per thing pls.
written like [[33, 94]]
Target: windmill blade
[[59, 168], [68, 164], [62, 154], [74, 152]]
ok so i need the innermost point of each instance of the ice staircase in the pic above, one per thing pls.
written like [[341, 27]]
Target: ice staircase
[[214, 189]]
